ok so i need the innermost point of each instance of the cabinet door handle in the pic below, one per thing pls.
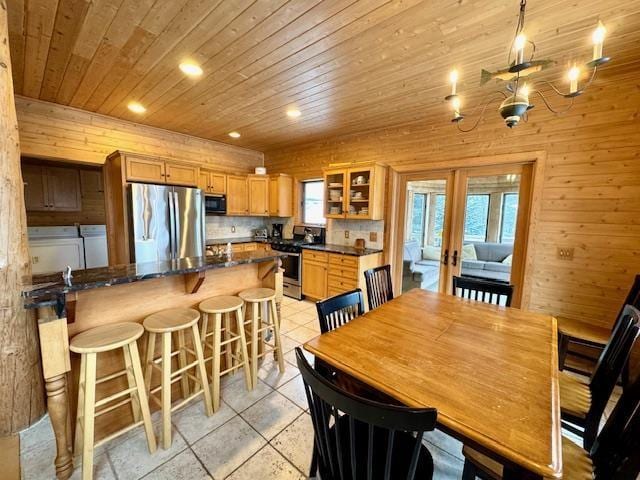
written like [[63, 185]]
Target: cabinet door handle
[[455, 258]]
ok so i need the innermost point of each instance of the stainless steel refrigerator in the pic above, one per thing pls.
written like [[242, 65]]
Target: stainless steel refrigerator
[[166, 223]]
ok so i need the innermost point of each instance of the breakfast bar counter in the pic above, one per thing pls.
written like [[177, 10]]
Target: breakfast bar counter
[[125, 293]]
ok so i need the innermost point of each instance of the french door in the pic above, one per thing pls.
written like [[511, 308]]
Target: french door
[[469, 222]]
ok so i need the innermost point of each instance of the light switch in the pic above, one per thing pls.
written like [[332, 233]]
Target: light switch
[[346, 234]]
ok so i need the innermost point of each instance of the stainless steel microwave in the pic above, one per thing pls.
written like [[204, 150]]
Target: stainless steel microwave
[[215, 204]]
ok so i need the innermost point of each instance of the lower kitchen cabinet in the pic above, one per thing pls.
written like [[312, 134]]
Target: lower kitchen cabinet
[[327, 274]]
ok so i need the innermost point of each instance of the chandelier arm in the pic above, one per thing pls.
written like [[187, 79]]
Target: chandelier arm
[[569, 95], [557, 112], [489, 99]]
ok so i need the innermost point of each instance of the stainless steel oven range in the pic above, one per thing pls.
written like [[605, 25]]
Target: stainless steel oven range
[[292, 264]]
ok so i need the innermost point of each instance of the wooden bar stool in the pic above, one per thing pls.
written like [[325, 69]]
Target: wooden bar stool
[[264, 318], [167, 322], [88, 344], [223, 309]]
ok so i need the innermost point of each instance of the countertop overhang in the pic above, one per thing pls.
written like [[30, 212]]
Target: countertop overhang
[[46, 288]]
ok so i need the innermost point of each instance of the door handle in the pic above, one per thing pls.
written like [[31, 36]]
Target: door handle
[[176, 208], [445, 259], [455, 258]]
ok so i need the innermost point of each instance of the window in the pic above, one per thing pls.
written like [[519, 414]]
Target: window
[[313, 202], [418, 217], [509, 217], [476, 218]]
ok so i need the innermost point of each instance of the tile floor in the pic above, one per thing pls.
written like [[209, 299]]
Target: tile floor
[[263, 434]]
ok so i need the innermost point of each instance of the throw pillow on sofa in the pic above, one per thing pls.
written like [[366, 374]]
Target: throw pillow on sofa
[[431, 253], [469, 252]]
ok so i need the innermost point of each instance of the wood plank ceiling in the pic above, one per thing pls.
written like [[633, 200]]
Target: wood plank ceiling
[[348, 66]]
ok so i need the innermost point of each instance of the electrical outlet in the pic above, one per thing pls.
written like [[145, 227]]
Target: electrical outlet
[[346, 234], [373, 236], [233, 229], [565, 253]]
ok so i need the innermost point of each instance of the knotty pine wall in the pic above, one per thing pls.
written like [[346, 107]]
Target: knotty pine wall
[[591, 189], [49, 130]]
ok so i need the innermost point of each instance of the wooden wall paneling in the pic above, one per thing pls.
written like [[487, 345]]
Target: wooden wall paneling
[[586, 200], [21, 383], [48, 130]]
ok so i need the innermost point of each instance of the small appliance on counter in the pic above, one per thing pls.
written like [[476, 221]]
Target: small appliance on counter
[[260, 234], [276, 230], [292, 263]]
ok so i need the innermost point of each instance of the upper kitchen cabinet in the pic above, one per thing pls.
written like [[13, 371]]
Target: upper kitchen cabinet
[[146, 169], [212, 182], [355, 192], [51, 188], [281, 195], [237, 195], [258, 195]]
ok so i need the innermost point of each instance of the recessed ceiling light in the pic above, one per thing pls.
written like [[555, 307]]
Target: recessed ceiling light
[[191, 69], [136, 107], [234, 134], [294, 113]]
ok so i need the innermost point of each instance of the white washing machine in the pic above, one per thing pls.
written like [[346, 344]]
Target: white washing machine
[[52, 249], [95, 245]]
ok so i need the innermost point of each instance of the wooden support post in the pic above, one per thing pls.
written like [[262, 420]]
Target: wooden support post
[[21, 385]]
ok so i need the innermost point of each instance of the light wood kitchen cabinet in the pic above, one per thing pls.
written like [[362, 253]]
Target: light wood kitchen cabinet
[[281, 195], [314, 276], [237, 195], [335, 273], [258, 195], [181, 174], [147, 169], [142, 169], [355, 192], [51, 188], [212, 182]]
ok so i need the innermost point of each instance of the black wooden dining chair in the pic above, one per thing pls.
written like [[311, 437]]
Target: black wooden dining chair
[[483, 290], [356, 438], [573, 331], [336, 311], [615, 454], [379, 285], [583, 403]]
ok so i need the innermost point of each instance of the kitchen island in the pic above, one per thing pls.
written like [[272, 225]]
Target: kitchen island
[[125, 293]]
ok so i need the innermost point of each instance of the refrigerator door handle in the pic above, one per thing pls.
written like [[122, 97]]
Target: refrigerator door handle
[[172, 223], [176, 209]]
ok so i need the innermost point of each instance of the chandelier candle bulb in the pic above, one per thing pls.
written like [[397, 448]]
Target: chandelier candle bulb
[[453, 78], [519, 45], [573, 75], [598, 40], [456, 107]]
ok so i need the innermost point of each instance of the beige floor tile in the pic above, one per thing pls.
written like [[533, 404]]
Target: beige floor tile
[[267, 464], [291, 357], [238, 398], [287, 325], [288, 343], [296, 442], [228, 447], [302, 334], [101, 469], [271, 415], [193, 424], [298, 305], [302, 318], [294, 391], [269, 372], [184, 466], [444, 442], [288, 310], [131, 459]]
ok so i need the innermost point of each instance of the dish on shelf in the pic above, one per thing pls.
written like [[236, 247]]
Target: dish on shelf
[[335, 185]]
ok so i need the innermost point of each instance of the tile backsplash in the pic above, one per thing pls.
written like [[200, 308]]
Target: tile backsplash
[[220, 226], [357, 229]]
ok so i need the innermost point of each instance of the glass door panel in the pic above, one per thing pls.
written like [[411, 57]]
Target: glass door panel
[[334, 196], [425, 249], [359, 193]]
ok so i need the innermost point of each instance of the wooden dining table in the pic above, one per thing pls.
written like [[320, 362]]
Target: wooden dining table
[[490, 371]]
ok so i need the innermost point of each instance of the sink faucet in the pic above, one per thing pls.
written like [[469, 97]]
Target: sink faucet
[[66, 275]]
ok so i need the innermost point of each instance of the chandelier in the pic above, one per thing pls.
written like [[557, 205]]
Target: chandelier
[[516, 92]]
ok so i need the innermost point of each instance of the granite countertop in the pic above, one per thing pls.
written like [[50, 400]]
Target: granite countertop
[[342, 249], [224, 241], [45, 288]]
